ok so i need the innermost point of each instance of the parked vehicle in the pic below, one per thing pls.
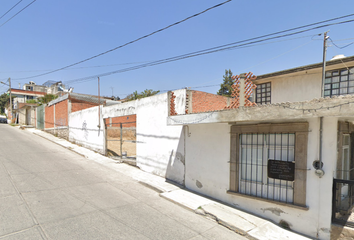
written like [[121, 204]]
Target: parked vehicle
[[3, 120]]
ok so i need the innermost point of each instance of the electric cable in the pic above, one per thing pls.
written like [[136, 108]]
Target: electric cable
[[11, 9], [17, 13], [128, 43], [205, 51], [225, 45], [338, 46], [97, 66]]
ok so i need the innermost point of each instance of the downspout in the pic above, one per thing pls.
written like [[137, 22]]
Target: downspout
[[184, 154], [319, 171]]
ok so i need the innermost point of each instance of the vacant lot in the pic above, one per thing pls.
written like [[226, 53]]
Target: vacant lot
[[113, 141]]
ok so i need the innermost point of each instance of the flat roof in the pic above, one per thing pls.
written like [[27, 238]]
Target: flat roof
[[304, 68]]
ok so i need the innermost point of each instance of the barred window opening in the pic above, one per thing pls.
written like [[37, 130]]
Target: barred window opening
[[255, 151], [263, 93]]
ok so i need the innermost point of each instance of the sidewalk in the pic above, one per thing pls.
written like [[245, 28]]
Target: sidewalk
[[243, 223]]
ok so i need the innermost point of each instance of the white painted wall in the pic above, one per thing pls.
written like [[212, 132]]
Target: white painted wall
[[207, 172], [84, 131], [160, 148], [299, 86], [296, 87]]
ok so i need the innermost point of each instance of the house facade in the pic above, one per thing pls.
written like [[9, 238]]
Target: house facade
[[288, 159]]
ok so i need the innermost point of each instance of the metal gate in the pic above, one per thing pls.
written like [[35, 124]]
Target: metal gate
[[40, 117], [121, 139], [342, 204]]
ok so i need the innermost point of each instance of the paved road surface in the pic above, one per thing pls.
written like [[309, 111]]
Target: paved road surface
[[49, 192]]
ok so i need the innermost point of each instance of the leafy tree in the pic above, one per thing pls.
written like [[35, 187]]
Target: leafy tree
[[146, 93], [225, 87], [46, 99], [4, 102]]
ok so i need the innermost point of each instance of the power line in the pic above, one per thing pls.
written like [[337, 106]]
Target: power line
[[171, 59], [97, 66], [11, 9], [225, 45], [340, 47], [207, 51], [17, 13], [128, 43]]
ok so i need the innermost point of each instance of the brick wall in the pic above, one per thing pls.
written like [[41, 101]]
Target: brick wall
[[206, 102], [77, 106], [49, 117], [61, 113], [130, 121]]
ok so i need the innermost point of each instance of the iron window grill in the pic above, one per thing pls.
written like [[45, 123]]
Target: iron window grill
[[263, 93], [255, 151], [339, 82]]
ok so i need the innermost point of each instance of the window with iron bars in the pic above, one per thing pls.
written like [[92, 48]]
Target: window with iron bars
[[263, 93], [254, 146], [339, 82], [255, 151]]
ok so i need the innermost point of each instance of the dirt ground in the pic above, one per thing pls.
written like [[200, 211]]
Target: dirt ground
[[113, 147]]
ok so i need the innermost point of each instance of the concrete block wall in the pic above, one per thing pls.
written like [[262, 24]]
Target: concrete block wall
[[61, 113], [205, 102], [56, 119], [78, 106], [62, 132], [129, 121], [87, 129], [49, 117], [160, 148]]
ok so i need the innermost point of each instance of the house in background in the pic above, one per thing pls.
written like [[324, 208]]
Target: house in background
[[26, 114], [24, 111]]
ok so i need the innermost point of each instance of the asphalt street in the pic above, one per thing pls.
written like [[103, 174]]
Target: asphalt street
[[50, 192]]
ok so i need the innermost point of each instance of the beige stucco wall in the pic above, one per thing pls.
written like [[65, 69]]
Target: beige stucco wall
[[296, 87], [299, 86], [208, 173], [160, 147]]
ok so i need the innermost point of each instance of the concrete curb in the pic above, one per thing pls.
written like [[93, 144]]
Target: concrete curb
[[242, 223]]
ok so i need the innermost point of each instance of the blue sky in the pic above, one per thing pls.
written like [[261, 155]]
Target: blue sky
[[52, 34]]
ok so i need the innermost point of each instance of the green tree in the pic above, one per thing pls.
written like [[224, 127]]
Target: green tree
[[46, 99], [4, 102], [32, 101], [225, 87], [146, 93]]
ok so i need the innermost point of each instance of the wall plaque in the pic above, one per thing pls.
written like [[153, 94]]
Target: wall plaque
[[281, 170]]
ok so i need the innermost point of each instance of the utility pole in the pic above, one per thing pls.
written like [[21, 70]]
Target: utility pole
[[325, 37], [10, 99], [99, 102]]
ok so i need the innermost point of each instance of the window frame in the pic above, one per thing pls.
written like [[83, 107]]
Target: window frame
[[337, 77], [300, 129], [267, 86]]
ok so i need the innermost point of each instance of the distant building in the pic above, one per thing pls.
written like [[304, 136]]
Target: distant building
[[32, 91]]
